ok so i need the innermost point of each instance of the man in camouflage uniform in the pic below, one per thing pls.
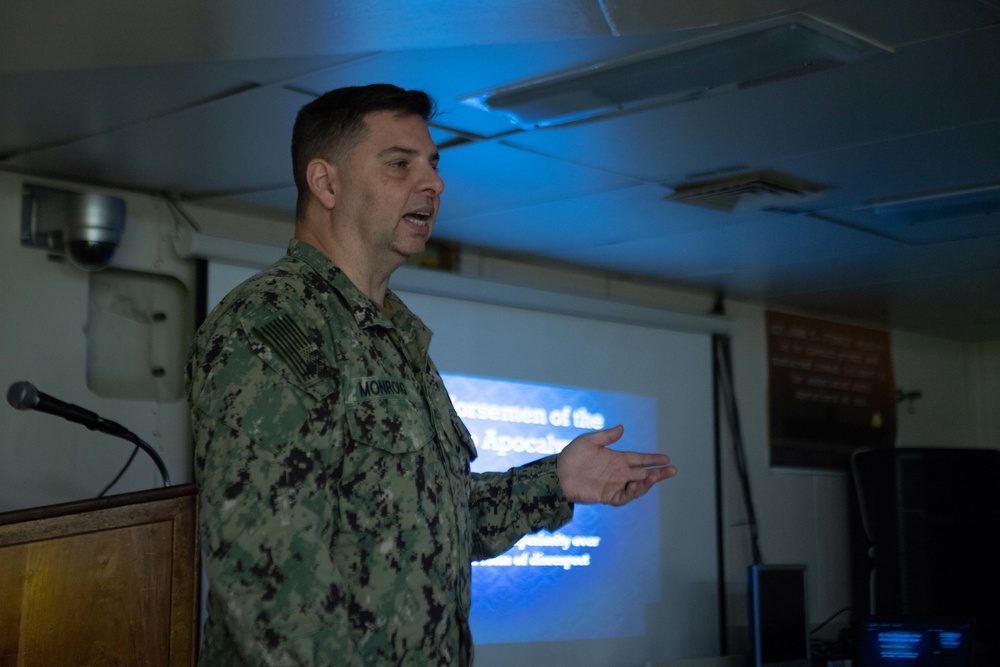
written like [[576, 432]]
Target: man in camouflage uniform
[[338, 512]]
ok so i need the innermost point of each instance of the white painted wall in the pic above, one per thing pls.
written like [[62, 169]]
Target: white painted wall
[[43, 339]]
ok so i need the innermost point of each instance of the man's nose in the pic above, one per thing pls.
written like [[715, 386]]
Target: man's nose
[[432, 183]]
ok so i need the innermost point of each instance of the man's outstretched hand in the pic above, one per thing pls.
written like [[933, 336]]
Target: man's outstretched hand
[[589, 472]]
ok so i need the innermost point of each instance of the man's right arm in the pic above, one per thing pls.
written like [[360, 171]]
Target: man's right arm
[[266, 509], [265, 545]]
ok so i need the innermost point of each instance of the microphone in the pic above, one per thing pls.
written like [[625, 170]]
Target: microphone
[[25, 396]]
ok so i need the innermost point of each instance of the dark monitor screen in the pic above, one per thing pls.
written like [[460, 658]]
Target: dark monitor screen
[[779, 624], [915, 644]]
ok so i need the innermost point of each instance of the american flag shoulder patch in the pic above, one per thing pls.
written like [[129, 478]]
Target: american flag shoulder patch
[[289, 342]]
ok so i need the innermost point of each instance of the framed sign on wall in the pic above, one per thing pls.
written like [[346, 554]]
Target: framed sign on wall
[[831, 391]]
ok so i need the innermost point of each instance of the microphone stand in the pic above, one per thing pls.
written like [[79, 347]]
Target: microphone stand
[[25, 396], [119, 431]]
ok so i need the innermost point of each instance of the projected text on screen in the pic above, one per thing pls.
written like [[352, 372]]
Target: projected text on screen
[[595, 576]]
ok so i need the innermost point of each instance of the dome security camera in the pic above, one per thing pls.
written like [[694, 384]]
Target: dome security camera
[[93, 229], [84, 226]]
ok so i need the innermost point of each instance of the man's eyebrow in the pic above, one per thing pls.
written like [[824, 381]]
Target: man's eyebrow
[[397, 150]]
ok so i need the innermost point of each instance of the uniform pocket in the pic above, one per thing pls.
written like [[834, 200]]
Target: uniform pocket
[[387, 414], [391, 473]]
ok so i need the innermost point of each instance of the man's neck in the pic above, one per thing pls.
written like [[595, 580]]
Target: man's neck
[[359, 269]]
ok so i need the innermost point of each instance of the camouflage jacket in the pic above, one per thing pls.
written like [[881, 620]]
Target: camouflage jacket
[[338, 513]]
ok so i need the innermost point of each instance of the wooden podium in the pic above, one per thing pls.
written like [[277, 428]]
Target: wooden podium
[[110, 581]]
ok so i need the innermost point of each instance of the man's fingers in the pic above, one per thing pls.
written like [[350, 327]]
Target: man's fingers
[[652, 475], [660, 474], [649, 476], [608, 436], [640, 460]]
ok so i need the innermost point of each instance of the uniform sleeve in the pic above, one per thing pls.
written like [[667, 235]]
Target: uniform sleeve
[[265, 501], [506, 506]]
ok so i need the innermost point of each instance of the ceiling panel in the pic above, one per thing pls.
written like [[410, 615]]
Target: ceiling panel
[[471, 69], [490, 177], [638, 16], [277, 203], [927, 87], [54, 107], [758, 240], [899, 25], [884, 265], [234, 144], [946, 159], [197, 98], [589, 221], [65, 34]]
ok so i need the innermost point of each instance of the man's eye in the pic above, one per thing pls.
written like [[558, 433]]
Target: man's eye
[[398, 164]]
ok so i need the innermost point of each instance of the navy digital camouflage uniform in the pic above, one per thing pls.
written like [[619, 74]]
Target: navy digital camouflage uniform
[[338, 513]]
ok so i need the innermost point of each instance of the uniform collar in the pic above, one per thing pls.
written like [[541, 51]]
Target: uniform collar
[[393, 315]]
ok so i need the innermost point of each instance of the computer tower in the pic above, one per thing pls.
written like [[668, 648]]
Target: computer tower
[[778, 616], [925, 539]]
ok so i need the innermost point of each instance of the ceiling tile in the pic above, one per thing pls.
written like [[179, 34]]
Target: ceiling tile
[[452, 73], [945, 159], [914, 91], [495, 178], [752, 240], [592, 220], [900, 23], [234, 144], [55, 107]]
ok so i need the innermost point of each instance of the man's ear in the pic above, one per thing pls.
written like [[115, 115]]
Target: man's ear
[[322, 179]]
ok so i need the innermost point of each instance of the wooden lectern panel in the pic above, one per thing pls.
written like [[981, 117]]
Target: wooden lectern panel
[[111, 581]]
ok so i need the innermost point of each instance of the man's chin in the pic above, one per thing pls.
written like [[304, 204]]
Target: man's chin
[[410, 257], [414, 247]]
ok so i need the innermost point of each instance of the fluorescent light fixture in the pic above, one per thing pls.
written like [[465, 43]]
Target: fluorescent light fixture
[[755, 53], [971, 201], [941, 216]]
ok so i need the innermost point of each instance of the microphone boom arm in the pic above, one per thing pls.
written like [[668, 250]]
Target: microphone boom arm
[[25, 396], [119, 431]]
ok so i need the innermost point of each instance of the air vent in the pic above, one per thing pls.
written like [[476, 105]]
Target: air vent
[[753, 191]]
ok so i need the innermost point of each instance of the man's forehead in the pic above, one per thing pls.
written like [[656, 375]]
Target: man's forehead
[[399, 121], [390, 131]]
